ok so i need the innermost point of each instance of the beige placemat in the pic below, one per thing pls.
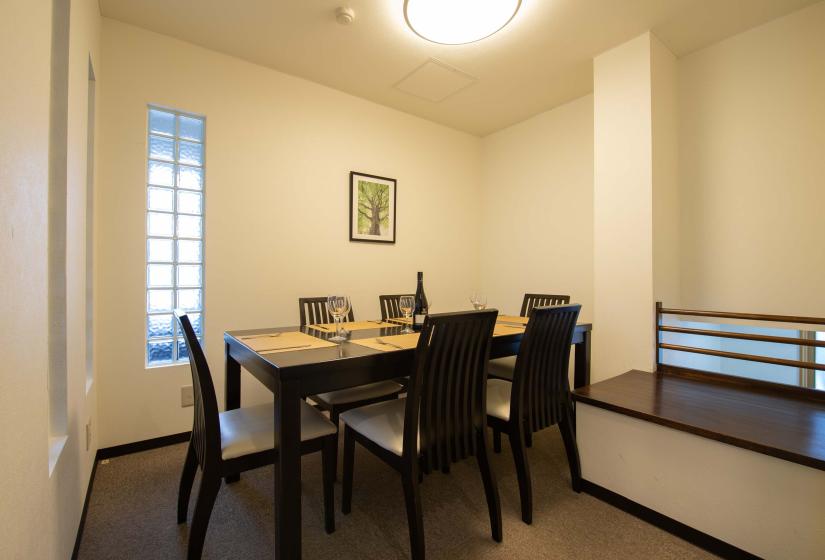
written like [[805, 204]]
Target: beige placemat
[[512, 319], [504, 330], [391, 343], [283, 342], [354, 326], [401, 320]]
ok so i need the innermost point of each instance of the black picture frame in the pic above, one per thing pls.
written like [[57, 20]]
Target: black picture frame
[[356, 209]]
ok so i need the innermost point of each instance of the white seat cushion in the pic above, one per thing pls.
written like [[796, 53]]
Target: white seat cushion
[[381, 422], [360, 393], [503, 367], [498, 398], [252, 429]]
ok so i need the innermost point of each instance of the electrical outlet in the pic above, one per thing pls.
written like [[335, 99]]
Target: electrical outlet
[[88, 435], [187, 398]]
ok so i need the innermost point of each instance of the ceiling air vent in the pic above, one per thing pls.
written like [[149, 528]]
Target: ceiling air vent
[[435, 81]]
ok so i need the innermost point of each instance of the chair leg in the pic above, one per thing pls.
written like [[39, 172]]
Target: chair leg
[[349, 464], [496, 440], [490, 486], [528, 438], [187, 477], [569, 438], [333, 416], [328, 455], [203, 510], [415, 518], [517, 444]]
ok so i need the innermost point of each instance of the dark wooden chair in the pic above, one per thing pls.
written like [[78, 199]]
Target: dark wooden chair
[[390, 307], [541, 300], [441, 421], [539, 395], [314, 311], [228, 443], [502, 368]]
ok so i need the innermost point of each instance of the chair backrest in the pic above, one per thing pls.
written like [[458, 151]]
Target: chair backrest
[[390, 308], [446, 397], [314, 311], [206, 430], [541, 300], [540, 385]]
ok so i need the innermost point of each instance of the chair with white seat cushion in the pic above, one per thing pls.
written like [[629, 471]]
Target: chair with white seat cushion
[[441, 421], [502, 368], [228, 443], [539, 395], [313, 311]]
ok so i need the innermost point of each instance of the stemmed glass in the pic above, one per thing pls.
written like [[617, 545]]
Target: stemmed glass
[[338, 307], [478, 300], [406, 304]]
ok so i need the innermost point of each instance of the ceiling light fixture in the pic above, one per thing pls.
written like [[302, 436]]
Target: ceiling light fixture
[[456, 22]]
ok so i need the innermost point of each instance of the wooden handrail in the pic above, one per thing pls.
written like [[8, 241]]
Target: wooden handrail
[[745, 336], [748, 316], [747, 357]]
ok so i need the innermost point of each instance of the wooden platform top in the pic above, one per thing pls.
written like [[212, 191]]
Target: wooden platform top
[[777, 424]]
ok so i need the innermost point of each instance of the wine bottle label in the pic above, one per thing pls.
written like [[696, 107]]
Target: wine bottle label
[[419, 319]]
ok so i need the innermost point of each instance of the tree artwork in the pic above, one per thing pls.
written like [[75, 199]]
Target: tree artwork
[[373, 207]]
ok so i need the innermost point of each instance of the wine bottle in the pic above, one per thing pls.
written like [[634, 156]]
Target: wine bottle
[[421, 306]]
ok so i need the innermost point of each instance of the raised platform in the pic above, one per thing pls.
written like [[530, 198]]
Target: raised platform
[[779, 424]]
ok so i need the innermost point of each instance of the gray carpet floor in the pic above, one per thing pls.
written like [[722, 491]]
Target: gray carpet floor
[[132, 514]]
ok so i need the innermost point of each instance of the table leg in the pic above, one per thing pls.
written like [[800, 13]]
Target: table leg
[[232, 393], [581, 374], [288, 472]]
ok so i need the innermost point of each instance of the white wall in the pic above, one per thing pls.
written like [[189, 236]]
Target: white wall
[[24, 159], [278, 153], [537, 209], [665, 153], [752, 141], [45, 508], [623, 209], [764, 505]]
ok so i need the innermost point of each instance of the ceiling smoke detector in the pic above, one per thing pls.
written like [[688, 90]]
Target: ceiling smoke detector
[[344, 15]]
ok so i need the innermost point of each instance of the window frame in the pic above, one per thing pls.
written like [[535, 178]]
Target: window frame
[[176, 336]]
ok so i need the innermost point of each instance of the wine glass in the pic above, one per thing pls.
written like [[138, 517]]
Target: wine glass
[[406, 304], [338, 307], [478, 300]]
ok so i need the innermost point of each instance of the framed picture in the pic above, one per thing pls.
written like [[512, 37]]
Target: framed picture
[[371, 208]]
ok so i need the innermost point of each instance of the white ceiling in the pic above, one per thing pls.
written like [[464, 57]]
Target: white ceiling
[[541, 60]]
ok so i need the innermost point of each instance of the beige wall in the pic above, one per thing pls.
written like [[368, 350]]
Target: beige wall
[[666, 200], [751, 157], [278, 154], [537, 217], [45, 507], [24, 158], [623, 209]]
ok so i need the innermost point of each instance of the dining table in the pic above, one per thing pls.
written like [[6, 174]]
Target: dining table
[[298, 362]]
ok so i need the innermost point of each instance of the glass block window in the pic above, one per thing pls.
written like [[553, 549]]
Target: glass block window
[[174, 231]]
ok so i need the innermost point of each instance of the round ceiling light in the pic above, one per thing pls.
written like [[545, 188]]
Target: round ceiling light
[[455, 22]]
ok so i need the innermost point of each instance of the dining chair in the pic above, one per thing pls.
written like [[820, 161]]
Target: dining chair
[[390, 305], [441, 420], [502, 368], [541, 300], [314, 311], [539, 395], [228, 443]]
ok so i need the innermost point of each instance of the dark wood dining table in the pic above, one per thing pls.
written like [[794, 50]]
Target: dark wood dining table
[[294, 375]]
